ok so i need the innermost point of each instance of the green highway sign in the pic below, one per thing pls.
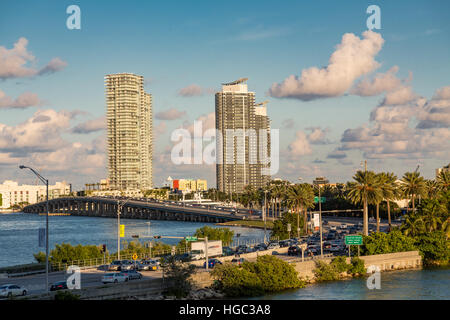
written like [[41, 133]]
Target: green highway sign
[[190, 238], [322, 199], [353, 240]]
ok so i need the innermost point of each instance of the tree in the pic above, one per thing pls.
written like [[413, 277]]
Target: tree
[[443, 180], [389, 190], [178, 276], [413, 185], [224, 234], [365, 190], [300, 197]]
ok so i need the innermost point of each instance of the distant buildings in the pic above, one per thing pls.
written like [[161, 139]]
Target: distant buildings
[[189, 185], [243, 147], [12, 193], [129, 132]]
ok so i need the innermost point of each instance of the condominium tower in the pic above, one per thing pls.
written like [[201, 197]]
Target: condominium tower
[[243, 146], [129, 132]]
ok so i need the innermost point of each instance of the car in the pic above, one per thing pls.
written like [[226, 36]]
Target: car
[[333, 228], [211, 263], [294, 251], [238, 261], [343, 226], [126, 265], [60, 285], [115, 265], [115, 277], [131, 274], [185, 257], [273, 245], [10, 290], [284, 243], [325, 222], [227, 251]]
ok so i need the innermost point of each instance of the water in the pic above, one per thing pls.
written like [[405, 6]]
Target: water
[[426, 284], [19, 233]]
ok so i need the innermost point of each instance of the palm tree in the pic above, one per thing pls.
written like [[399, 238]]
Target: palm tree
[[413, 185], [432, 188], [365, 190], [390, 191], [443, 180], [301, 197]]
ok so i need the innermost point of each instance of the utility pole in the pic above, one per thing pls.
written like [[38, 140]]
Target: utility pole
[[45, 181], [265, 215]]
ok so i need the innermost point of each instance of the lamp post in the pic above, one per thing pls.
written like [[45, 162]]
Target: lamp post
[[119, 210], [265, 214], [45, 181], [319, 182]]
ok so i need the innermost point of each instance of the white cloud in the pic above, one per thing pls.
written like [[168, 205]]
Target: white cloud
[[353, 58], [382, 82], [300, 146], [90, 126], [194, 90], [14, 62], [25, 100], [171, 114]]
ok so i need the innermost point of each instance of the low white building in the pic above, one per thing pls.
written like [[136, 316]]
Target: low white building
[[12, 193]]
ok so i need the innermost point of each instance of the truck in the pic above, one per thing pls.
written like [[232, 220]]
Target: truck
[[198, 249]]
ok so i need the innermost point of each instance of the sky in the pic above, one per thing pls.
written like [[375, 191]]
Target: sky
[[338, 92]]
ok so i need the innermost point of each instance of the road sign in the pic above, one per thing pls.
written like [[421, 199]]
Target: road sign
[[135, 256], [122, 230], [322, 199], [353, 240], [190, 238]]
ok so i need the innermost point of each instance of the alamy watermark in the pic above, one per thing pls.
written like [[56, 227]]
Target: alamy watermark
[[234, 146], [74, 20], [374, 280]]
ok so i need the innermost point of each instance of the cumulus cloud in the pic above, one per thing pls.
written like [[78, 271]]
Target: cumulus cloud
[[171, 114], [337, 154], [382, 82], [35, 135], [436, 113], [300, 146], [194, 90], [206, 121], [318, 135], [353, 58], [56, 64], [25, 100], [90, 126], [14, 62], [392, 133]]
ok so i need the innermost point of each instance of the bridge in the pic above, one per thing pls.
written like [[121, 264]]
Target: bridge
[[132, 209]]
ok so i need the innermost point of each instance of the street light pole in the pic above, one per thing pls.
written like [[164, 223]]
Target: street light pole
[[320, 223], [119, 210], [45, 181], [265, 215]]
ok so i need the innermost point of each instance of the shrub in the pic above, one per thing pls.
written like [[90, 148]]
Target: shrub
[[434, 248], [237, 282], [340, 264], [178, 276], [325, 272], [357, 266], [274, 273], [267, 274]]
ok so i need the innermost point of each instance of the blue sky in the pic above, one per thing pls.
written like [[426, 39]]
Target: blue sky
[[174, 44]]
